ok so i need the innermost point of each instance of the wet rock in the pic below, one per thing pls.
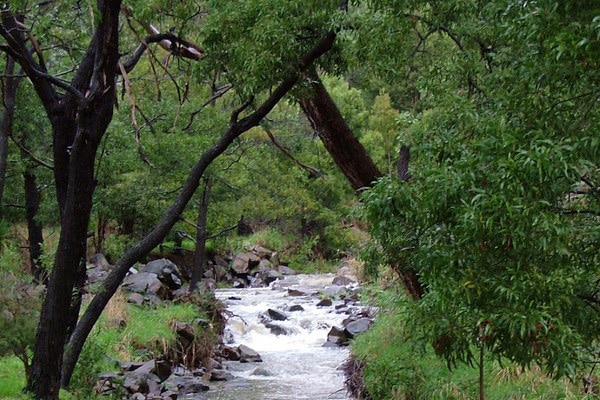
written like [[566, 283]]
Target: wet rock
[[260, 372], [230, 353], [220, 375], [342, 280], [277, 329], [296, 308], [326, 302], [301, 291], [337, 336], [335, 291], [187, 384], [248, 355], [360, 325], [285, 270], [276, 315]]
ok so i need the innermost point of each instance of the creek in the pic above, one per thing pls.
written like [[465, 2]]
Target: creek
[[296, 365]]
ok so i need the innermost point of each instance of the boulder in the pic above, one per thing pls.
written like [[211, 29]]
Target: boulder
[[326, 302], [99, 261], [135, 298], [337, 336], [243, 263], [166, 271], [220, 375], [296, 308], [276, 315], [95, 274], [230, 353], [335, 291], [145, 282], [360, 325], [262, 252], [248, 355], [301, 291], [187, 384], [285, 270], [277, 329], [342, 280]]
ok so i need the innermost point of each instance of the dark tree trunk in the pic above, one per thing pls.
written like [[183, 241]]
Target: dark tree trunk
[[87, 107], [345, 149], [350, 156], [34, 228], [9, 85], [153, 239], [200, 250]]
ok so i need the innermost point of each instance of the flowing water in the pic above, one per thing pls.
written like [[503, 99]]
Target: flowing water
[[296, 365]]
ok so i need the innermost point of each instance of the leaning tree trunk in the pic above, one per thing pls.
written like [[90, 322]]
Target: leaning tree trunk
[[350, 155], [345, 149]]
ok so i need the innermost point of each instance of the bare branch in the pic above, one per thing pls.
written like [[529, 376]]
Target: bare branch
[[136, 127], [313, 172]]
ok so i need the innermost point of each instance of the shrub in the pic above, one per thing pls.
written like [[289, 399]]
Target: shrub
[[20, 304]]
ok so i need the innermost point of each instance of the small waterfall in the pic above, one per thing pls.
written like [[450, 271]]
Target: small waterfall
[[295, 364]]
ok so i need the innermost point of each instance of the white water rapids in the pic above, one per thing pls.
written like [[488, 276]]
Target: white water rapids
[[295, 366]]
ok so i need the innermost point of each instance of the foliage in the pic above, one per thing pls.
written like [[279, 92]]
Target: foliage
[[399, 366], [20, 302], [500, 218]]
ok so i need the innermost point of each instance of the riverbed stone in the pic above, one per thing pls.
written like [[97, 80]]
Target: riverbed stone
[[326, 302], [277, 329], [248, 355], [276, 315], [360, 325], [337, 336], [343, 280], [295, 308], [285, 270]]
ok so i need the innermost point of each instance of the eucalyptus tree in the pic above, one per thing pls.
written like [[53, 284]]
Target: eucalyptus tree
[[500, 218]]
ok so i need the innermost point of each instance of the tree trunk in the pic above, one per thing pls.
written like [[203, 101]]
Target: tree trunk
[[350, 155], [200, 250], [74, 166], [345, 149], [10, 83], [34, 228], [153, 239]]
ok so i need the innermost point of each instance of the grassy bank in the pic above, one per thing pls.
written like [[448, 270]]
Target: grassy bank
[[397, 366]]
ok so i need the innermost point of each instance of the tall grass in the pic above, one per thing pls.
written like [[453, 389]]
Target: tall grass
[[399, 367]]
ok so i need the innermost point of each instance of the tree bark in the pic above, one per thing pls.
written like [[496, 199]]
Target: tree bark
[[350, 155], [153, 239], [34, 228], [79, 123], [9, 93], [200, 250], [345, 149]]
